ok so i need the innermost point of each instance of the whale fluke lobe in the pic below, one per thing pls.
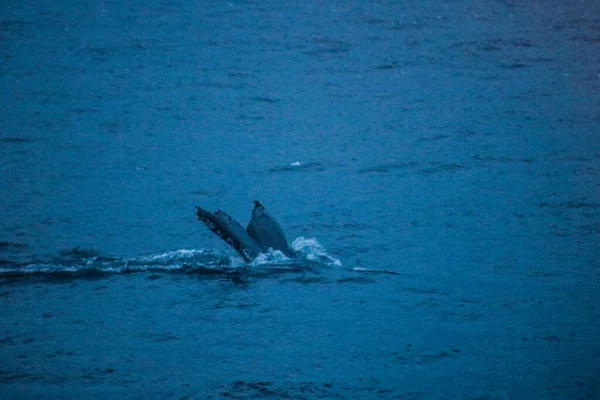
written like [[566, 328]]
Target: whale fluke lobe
[[266, 231], [263, 231], [230, 231]]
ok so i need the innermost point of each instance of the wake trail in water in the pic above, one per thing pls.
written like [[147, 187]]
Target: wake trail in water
[[74, 263]]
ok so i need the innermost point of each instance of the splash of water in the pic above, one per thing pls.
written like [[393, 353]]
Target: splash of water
[[77, 262], [312, 250]]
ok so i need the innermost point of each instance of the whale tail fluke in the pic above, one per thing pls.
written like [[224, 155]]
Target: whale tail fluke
[[262, 233], [266, 231], [230, 231]]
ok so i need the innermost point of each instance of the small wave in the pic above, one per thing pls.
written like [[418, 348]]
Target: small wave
[[435, 168], [379, 271], [16, 140], [298, 166], [314, 251], [12, 246], [76, 263], [385, 168], [182, 254], [89, 263], [276, 390], [270, 257], [572, 204]]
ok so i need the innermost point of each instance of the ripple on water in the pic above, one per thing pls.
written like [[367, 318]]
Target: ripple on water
[[308, 390]]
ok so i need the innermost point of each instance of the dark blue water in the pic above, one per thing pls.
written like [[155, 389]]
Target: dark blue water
[[436, 164]]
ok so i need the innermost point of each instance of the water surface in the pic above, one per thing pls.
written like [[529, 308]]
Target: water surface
[[442, 154]]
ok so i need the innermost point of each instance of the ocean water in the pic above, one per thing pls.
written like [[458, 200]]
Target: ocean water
[[435, 163]]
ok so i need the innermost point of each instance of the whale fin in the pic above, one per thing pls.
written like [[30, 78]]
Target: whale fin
[[265, 231], [230, 231]]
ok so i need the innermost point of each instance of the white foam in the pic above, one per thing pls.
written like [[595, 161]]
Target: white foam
[[314, 251], [170, 255], [270, 257]]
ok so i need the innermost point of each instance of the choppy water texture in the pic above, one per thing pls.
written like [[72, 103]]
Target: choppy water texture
[[443, 154]]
